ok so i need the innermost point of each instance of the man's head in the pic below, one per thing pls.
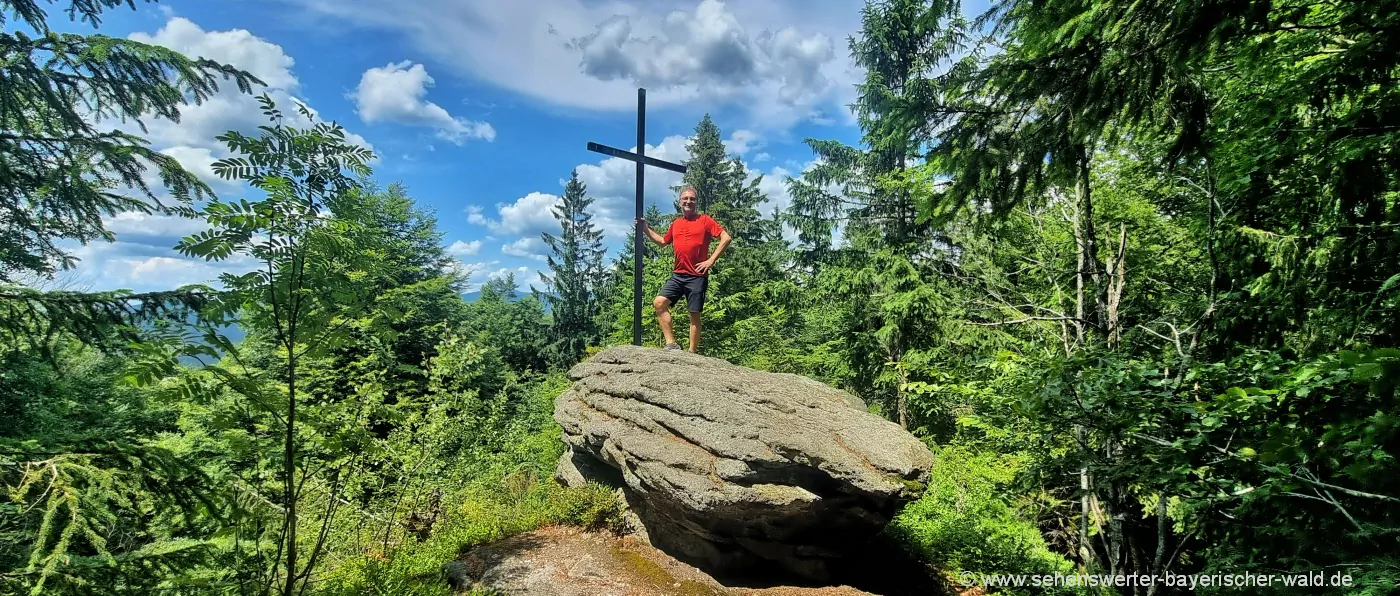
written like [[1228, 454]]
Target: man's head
[[689, 204]]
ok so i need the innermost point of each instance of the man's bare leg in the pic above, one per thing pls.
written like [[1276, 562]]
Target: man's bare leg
[[694, 331], [663, 315]]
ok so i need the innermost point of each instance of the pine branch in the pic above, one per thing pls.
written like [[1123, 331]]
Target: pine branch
[[108, 319]]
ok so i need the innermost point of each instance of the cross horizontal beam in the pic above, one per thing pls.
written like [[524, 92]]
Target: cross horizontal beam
[[633, 157]]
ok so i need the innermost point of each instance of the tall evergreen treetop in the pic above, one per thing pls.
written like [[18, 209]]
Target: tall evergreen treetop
[[576, 264], [707, 167]]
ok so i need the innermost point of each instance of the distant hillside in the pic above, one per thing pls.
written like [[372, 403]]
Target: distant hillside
[[235, 334], [473, 296]]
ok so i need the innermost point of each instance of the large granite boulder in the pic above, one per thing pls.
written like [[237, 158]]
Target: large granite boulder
[[734, 470]]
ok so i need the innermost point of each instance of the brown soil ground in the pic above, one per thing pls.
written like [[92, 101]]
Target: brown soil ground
[[567, 561]]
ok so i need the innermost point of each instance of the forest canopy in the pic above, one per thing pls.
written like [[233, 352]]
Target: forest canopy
[[1131, 270]]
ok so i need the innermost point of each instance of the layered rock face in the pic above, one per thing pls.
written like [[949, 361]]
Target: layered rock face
[[734, 470]]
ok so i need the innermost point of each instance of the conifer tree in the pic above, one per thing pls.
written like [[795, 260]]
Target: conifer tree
[[576, 265], [707, 167]]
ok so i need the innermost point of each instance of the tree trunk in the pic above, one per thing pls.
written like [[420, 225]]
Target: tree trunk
[[289, 495], [1088, 238]]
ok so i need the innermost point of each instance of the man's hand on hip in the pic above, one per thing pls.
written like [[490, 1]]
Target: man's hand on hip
[[704, 266]]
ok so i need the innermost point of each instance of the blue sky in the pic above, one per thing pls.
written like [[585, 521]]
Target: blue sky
[[482, 107]]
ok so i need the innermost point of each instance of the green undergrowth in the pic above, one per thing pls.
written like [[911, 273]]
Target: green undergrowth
[[485, 512], [964, 523], [499, 484]]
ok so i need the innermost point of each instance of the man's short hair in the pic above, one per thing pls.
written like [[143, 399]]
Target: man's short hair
[[691, 188]]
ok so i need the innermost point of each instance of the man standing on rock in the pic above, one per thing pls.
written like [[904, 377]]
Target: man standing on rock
[[690, 236]]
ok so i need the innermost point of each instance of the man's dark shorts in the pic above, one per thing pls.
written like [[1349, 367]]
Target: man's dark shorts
[[690, 286]]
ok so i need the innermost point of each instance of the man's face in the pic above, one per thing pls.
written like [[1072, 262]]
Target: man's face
[[688, 201]]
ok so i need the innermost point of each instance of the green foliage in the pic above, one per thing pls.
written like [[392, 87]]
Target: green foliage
[[964, 523], [94, 499], [63, 171], [573, 289], [1131, 266], [313, 277], [515, 325]]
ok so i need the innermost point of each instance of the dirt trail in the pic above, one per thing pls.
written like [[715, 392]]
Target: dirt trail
[[567, 561]]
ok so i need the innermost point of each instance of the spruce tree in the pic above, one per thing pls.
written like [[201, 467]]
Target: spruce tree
[[576, 265], [707, 167]]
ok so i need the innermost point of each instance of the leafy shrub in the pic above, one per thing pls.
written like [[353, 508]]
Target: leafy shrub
[[963, 524], [515, 504]]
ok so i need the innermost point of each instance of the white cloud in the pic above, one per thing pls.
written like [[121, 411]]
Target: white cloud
[[709, 49], [774, 186], [200, 162], [394, 93], [761, 157], [476, 273], [475, 216], [135, 223], [741, 141], [238, 47], [527, 247], [174, 271], [525, 278], [228, 109], [143, 267], [528, 214], [612, 183], [143, 257], [464, 249], [778, 61], [480, 273]]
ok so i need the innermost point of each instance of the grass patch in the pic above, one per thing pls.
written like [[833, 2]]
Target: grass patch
[[481, 516]]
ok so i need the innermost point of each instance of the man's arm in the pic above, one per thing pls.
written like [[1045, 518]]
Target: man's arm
[[710, 262], [657, 238]]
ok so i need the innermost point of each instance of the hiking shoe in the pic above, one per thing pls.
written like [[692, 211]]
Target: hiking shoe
[[673, 346]]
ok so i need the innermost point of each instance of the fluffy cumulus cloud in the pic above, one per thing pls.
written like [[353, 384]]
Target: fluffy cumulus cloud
[[395, 93], [228, 109], [526, 247], [529, 214], [464, 249], [779, 60], [143, 258], [146, 263], [741, 141], [709, 48]]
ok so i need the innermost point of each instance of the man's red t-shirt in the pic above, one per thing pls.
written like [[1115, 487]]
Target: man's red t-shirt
[[691, 241]]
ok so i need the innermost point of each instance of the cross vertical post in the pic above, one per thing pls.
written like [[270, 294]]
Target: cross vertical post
[[642, 161], [637, 247]]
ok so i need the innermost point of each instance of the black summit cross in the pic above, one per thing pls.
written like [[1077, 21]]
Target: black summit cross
[[642, 162]]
